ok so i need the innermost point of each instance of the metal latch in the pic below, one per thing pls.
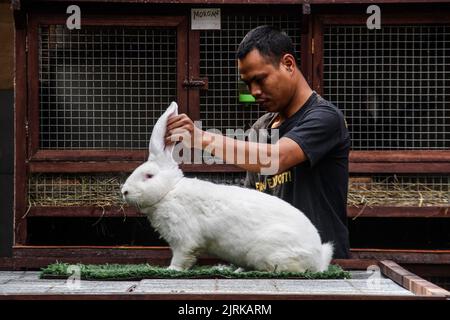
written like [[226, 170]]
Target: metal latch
[[196, 83]]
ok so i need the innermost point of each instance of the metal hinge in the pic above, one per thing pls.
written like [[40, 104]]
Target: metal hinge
[[312, 46], [196, 83], [26, 43]]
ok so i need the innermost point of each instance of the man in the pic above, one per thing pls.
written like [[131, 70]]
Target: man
[[314, 143]]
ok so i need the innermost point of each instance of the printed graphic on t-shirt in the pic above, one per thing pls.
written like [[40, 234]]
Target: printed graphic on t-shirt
[[274, 181]]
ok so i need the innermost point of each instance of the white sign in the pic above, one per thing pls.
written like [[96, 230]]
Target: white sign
[[205, 19]]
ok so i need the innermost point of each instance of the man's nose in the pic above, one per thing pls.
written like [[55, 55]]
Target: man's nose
[[255, 91]]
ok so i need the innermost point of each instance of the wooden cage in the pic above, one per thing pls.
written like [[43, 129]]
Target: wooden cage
[[86, 101]]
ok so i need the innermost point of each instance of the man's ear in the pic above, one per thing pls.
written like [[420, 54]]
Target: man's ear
[[288, 62]]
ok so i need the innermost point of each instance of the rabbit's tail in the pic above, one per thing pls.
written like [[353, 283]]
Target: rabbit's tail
[[327, 254]]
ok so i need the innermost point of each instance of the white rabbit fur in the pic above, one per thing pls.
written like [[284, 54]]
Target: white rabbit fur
[[248, 228]]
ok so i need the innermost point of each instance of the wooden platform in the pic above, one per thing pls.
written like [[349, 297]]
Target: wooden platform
[[392, 282]]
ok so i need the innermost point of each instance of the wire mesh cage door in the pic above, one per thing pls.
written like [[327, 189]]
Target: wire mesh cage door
[[94, 95], [96, 92], [390, 84], [220, 107], [102, 87]]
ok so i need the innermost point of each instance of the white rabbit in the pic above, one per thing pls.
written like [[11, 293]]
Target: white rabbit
[[248, 228]]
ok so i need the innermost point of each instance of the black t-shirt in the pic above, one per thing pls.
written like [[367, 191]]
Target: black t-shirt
[[318, 186]]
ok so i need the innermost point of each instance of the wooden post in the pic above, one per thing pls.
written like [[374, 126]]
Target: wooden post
[[20, 134]]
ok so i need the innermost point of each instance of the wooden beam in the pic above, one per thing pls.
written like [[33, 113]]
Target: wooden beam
[[194, 73], [35, 257], [89, 155], [398, 212], [374, 2], [84, 212], [117, 166], [250, 2], [216, 296], [403, 256], [317, 55], [425, 16], [354, 264], [84, 167], [429, 270], [111, 19], [417, 161], [352, 212], [126, 161], [18, 263], [412, 156], [398, 167], [33, 106], [420, 156], [20, 129], [410, 281], [306, 53]]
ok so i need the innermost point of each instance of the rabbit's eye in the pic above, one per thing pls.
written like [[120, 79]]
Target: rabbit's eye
[[148, 176]]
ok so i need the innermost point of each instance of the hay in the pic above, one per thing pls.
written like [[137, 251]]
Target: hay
[[364, 192], [146, 271], [77, 191], [104, 192]]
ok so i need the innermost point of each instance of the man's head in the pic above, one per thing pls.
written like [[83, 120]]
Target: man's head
[[267, 64]]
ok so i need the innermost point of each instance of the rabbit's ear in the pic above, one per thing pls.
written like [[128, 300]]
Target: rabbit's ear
[[157, 145]]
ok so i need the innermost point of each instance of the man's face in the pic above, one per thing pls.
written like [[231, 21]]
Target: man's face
[[270, 85]]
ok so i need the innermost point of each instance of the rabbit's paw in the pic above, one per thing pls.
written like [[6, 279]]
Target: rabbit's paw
[[176, 268]]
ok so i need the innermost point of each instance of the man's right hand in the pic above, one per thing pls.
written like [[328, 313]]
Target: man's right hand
[[182, 128]]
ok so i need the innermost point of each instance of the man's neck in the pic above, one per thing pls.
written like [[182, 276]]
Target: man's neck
[[294, 106], [282, 116], [301, 95]]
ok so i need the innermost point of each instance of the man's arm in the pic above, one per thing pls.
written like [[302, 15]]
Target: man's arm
[[250, 156], [282, 155]]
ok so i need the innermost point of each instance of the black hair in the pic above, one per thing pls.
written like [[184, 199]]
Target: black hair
[[270, 42]]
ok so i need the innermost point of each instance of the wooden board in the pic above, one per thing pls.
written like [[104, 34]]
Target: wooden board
[[410, 281], [7, 52]]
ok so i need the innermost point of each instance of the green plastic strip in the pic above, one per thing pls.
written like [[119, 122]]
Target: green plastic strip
[[143, 271], [246, 98]]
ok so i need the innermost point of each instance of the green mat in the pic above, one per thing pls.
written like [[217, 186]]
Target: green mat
[[146, 271]]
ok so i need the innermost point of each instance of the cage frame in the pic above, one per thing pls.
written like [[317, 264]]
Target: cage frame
[[33, 160], [377, 162], [34, 153], [27, 108], [360, 162], [98, 160]]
